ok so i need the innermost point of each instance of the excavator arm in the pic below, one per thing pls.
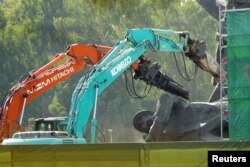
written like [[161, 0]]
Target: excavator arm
[[63, 66], [125, 55]]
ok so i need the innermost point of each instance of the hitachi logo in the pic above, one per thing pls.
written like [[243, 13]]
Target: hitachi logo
[[121, 66], [50, 80]]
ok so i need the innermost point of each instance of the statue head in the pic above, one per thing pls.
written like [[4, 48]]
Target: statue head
[[143, 120]]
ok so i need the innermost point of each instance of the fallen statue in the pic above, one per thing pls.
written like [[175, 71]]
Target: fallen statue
[[177, 119]]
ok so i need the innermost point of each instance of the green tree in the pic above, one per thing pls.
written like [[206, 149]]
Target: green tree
[[55, 108], [32, 31]]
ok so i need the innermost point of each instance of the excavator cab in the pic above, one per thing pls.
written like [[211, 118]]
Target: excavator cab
[[51, 124]]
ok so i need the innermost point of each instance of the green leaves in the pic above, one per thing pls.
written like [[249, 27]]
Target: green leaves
[[56, 108], [33, 31]]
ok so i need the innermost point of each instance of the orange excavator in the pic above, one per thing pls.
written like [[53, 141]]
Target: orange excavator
[[63, 66]]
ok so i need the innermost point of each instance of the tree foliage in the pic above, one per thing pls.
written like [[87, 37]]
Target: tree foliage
[[32, 31]]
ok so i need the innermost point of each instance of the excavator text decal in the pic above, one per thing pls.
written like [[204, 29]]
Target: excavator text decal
[[50, 80], [121, 66]]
